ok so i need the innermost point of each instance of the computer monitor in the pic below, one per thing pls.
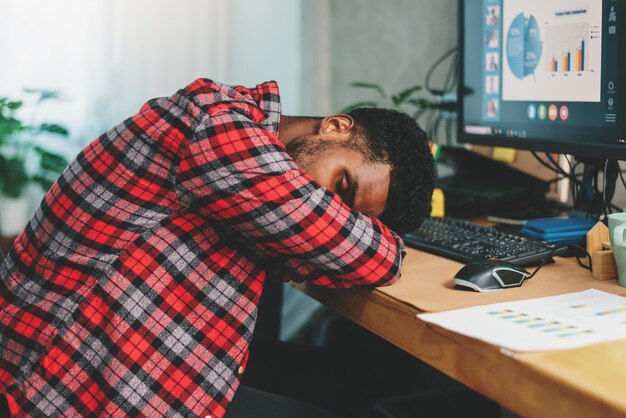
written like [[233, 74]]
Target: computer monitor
[[544, 75]]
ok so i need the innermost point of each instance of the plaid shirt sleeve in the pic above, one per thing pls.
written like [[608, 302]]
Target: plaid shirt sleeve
[[236, 171]]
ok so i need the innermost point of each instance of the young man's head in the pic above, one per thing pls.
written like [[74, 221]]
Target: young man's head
[[376, 160]]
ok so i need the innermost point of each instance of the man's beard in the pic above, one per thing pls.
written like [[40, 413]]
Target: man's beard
[[306, 151]]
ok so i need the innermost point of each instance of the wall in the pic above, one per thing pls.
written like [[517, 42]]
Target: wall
[[266, 45], [392, 43], [108, 57]]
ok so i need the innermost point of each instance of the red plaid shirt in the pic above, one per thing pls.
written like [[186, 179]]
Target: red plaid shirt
[[134, 289]]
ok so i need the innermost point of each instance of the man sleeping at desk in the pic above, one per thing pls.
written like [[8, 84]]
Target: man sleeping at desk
[[134, 289]]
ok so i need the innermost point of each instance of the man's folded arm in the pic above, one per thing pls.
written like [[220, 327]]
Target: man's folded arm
[[251, 184]]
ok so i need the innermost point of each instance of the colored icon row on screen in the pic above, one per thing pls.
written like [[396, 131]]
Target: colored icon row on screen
[[551, 112]]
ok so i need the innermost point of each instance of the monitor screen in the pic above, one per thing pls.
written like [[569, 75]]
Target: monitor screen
[[544, 75]]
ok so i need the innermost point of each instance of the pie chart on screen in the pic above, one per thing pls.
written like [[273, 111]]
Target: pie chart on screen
[[523, 45]]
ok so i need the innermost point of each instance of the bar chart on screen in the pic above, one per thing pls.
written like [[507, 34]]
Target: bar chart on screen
[[558, 47], [568, 46]]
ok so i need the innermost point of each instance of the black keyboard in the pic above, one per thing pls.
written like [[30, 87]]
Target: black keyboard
[[466, 241]]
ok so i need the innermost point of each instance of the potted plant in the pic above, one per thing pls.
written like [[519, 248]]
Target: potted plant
[[22, 161], [408, 101], [403, 101]]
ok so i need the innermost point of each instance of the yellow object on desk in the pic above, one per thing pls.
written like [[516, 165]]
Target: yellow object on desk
[[438, 206], [506, 155]]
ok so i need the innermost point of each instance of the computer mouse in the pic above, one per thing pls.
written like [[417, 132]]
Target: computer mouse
[[490, 275]]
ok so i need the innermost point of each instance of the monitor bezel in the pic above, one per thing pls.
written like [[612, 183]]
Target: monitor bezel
[[543, 144]]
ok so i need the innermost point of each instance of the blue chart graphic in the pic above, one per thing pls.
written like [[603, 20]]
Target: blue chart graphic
[[523, 46]]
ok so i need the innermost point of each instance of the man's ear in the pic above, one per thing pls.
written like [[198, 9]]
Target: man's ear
[[337, 124]]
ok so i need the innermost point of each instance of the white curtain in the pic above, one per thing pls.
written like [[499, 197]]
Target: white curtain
[[107, 57]]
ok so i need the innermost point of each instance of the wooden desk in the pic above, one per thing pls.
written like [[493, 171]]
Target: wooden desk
[[584, 382]]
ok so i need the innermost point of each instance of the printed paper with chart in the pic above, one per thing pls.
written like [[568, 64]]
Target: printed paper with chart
[[556, 322]]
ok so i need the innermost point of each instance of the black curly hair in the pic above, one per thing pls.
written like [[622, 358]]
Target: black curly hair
[[391, 137]]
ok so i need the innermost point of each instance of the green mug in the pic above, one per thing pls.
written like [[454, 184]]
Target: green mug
[[617, 230]]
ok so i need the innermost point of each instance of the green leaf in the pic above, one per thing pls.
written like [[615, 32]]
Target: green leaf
[[2, 169], [401, 97], [373, 86], [9, 126], [49, 161], [423, 103], [14, 105], [43, 94], [358, 105], [44, 182], [14, 177], [54, 129]]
